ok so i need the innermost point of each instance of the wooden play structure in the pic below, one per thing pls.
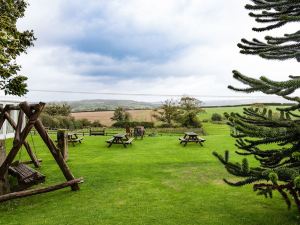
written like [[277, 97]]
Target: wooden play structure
[[26, 175]]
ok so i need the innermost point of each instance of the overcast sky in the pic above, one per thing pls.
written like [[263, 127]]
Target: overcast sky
[[140, 46]]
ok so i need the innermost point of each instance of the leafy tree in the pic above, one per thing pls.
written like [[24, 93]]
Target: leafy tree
[[167, 113], [58, 110], [12, 44], [189, 108], [120, 115], [273, 141]]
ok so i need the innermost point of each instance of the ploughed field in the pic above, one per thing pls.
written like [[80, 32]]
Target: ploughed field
[[104, 116], [154, 181]]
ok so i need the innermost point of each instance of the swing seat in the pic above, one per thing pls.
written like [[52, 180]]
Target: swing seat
[[26, 175]]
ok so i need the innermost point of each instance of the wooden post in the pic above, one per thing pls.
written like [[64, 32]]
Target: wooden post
[[62, 142], [4, 185]]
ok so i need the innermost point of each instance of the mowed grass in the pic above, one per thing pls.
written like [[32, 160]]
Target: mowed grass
[[154, 181]]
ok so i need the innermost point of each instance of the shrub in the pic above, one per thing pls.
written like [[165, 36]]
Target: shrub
[[123, 124], [216, 117]]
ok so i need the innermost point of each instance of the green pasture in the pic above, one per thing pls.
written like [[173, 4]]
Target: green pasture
[[154, 181]]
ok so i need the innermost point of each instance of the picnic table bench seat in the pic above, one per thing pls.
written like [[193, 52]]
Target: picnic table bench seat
[[129, 141], [187, 140], [26, 175], [201, 139], [110, 140]]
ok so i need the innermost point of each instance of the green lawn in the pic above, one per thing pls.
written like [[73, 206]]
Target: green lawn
[[155, 181]]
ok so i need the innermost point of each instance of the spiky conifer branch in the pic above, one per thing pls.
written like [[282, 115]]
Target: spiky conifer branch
[[271, 136], [274, 14]]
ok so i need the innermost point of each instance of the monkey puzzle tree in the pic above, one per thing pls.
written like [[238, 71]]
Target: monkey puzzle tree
[[12, 44], [274, 141]]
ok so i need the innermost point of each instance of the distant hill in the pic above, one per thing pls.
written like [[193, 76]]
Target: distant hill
[[107, 105]]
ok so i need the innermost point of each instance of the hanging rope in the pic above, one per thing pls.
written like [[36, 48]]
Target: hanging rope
[[33, 144]]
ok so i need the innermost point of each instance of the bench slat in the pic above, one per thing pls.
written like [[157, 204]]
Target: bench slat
[[129, 141]]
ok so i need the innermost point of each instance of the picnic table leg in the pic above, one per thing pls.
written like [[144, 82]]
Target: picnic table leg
[[125, 146], [185, 143], [110, 144]]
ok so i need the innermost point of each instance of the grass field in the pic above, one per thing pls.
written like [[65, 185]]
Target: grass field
[[154, 181]]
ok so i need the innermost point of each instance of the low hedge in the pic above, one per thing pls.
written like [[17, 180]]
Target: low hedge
[[123, 124]]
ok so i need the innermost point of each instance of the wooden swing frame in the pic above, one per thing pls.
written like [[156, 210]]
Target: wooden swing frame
[[32, 112]]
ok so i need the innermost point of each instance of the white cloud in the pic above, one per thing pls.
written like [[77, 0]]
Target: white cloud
[[172, 47]]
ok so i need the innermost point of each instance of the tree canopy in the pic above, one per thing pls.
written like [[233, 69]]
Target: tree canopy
[[120, 114], [12, 43], [167, 113]]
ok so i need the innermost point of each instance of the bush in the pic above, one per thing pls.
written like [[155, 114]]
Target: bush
[[216, 117], [96, 123], [166, 125], [123, 124]]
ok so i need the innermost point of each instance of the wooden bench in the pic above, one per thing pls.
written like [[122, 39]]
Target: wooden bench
[[26, 175], [110, 140], [129, 141], [97, 132], [182, 139], [201, 139]]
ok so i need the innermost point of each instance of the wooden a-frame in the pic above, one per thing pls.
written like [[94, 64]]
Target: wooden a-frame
[[5, 116], [32, 112]]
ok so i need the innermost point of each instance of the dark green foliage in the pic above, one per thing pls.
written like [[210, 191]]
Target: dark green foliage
[[216, 117], [58, 109], [188, 111], [59, 116], [274, 14], [167, 113], [120, 114], [273, 138], [12, 44], [124, 124]]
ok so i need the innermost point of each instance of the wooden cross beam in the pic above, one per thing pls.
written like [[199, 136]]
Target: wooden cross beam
[[26, 144], [20, 137]]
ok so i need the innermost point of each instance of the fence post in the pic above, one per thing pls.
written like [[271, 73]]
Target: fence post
[[62, 142]]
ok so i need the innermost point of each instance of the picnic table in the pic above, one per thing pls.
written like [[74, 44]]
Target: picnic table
[[73, 138], [120, 139], [191, 137]]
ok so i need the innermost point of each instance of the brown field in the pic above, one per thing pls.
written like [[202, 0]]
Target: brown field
[[104, 117]]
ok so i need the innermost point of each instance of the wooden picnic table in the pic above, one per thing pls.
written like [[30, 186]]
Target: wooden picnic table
[[191, 137], [73, 138], [120, 139]]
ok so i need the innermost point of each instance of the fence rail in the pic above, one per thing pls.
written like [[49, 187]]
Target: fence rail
[[149, 131]]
